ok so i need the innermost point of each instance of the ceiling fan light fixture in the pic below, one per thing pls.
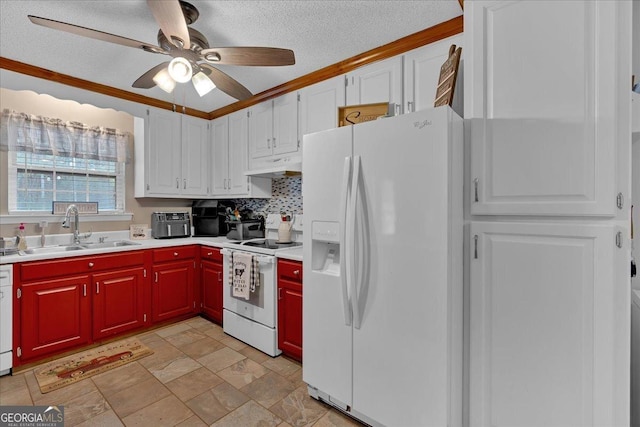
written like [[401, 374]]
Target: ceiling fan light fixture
[[180, 70], [164, 81], [202, 83]]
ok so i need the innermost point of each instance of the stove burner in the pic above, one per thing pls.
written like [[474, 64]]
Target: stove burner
[[270, 244]]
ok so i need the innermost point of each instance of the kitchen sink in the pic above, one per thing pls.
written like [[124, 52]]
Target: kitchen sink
[[52, 249], [112, 244]]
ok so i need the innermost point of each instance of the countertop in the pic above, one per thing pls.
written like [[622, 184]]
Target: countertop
[[293, 254]]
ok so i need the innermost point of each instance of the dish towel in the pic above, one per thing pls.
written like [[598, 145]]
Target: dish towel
[[245, 274]]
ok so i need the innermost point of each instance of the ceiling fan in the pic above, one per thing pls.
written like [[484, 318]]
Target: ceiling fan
[[192, 55]]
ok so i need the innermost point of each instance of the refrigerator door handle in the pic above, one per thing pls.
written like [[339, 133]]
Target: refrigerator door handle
[[344, 199], [355, 180]]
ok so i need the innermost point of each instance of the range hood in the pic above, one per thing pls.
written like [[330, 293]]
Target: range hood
[[277, 170]]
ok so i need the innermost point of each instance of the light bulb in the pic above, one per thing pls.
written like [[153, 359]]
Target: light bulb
[[202, 83], [180, 70], [164, 81]]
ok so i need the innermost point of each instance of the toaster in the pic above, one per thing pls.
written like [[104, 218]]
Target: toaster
[[166, 225]]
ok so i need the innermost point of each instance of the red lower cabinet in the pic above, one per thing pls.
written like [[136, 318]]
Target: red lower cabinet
[[211, 283], [55, 316], [118, 302], [173, 283], [290, 308]]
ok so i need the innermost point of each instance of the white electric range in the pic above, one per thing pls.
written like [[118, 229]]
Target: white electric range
[[254, 321]]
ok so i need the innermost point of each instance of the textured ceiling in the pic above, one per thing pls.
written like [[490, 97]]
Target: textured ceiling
[[320, 33]]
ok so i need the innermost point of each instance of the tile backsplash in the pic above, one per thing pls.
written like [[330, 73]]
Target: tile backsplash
[[286, 197]]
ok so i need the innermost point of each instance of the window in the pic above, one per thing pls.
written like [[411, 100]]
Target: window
[[36, 180], [51, 160]]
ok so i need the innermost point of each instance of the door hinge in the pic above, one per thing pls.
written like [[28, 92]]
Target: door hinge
[[346, 81], [147, 187], [620, 201], [248, 114], [19, 351], [475, 247], [298, 143], [619, 239], [475, 190], [19, 293]]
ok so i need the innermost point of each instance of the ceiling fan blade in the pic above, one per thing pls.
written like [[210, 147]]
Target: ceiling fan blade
[[226, 83], [257, 56], [94, 34], [145, 81], [168, 14]]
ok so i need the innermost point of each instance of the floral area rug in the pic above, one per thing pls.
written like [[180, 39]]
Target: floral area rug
[[68, 370]]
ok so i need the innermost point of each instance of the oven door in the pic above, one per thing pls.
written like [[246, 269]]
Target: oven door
[[261, 305]]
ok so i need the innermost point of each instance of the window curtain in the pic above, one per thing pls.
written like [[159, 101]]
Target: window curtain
[[43, 135]]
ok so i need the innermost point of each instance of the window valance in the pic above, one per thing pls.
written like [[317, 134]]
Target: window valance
[[43, 135]]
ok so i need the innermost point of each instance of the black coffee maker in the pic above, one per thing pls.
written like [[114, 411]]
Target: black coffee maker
[[208, 217]]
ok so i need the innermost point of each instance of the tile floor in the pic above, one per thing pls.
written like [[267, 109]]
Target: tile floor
[[197, 376]]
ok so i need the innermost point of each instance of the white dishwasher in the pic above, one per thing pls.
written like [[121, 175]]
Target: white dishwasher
[[6, 310]]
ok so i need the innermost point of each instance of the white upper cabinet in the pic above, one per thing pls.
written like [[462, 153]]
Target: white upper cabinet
[[319, 105], [229, 162], [273, 128], [175, 156], [377, 82], [422, 72], [546, 107]]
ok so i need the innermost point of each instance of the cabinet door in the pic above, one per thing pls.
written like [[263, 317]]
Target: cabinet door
[[378, 82], [544, 340], [55, 316], [290, 319], [165, 162], [422, 72], [212, 290], [544, 132], [118, 302], [195, 155], [319, 105], [172, 290], [238, 160], [220, 147], [285, 123], [261, 130]]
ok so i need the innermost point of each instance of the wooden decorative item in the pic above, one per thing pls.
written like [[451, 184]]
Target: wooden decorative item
[[448, 76], [354, 114]]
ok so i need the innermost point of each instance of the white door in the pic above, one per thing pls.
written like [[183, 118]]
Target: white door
[[238, 140], [165, 153], [195, 155], [285, 123], [319, 105], [261, 130], [219, 151], [422, 72], [407, 338], [377, 82], [542, 318], [327, 357], [542, 90]]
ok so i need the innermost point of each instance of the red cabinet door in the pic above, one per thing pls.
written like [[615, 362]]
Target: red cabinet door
[[172, 290], [55, 315], [212, 290], [290, 308], [118, 302]]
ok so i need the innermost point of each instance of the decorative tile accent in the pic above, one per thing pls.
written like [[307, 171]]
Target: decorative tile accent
[[286, 197]]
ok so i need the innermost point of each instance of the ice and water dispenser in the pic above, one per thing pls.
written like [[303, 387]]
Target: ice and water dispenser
[[325, 253]]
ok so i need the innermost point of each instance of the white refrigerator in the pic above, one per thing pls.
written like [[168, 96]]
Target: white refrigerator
[[383, 264]]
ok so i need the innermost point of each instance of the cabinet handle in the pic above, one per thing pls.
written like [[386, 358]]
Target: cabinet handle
[[97, 287], [268, 142], [177, 183], [209, 253], [90, 265], [411, 107], [274, 142], [156, 276], [175, 254], [296, 272], [279, 293], [84, 290], [224, 183], [184, 183], [475, 190]]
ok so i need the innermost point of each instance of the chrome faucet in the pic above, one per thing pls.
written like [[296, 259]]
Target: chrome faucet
[[76, 222]]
